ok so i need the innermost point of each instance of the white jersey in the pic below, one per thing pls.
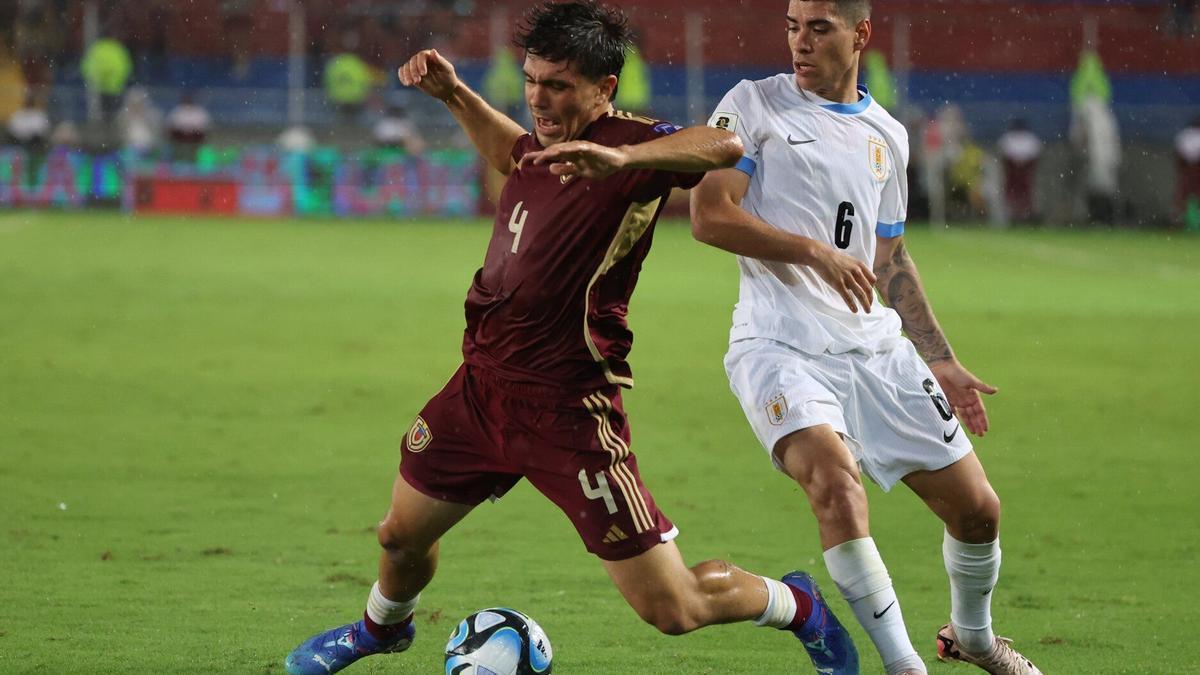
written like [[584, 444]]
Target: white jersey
[[833, 172]]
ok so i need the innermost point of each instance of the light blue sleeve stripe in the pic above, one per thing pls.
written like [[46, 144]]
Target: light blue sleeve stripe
[[889, 230], [746, 166]]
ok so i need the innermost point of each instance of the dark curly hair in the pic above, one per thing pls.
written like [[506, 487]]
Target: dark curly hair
[[590, 36]]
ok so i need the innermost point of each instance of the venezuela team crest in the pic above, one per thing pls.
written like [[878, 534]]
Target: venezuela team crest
[[419, 435]]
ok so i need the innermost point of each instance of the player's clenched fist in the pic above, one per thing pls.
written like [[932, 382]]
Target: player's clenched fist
[[430, 72]]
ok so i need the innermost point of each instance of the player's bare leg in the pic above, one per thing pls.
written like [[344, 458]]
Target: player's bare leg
[[964, 500], [677, 599], [821, 463], [409, 536]]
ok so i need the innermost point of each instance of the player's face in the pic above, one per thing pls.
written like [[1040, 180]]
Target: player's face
[[561, 101], [825, 49]]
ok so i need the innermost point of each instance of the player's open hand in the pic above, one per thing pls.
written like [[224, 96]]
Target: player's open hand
[[578, 158], [849, 276], [963, 390], [430, 72]]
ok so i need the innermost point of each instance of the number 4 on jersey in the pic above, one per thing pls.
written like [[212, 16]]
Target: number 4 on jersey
[[517, 223]]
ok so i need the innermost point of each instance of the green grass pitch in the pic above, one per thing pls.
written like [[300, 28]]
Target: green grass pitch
[[199, 426]]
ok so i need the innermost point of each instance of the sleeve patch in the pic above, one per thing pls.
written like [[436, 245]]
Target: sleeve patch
[[724, 120], [889, 230], [666, 128], [746, 166]]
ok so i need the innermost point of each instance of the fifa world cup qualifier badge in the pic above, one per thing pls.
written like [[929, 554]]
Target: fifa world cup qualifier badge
[[419, 435], [777, 410]]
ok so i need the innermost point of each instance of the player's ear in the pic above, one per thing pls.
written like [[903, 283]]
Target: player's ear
[[862, 34], [608, 87]]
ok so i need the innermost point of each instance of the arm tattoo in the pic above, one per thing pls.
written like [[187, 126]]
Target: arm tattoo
[[900, 285]]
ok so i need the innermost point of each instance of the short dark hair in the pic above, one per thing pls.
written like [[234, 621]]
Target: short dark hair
[[852, 11], [591, 36]]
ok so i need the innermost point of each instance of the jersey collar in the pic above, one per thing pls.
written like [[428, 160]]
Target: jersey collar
[[863, 103]]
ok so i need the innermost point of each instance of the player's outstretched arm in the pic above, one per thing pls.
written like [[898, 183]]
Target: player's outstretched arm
[[719, 220], [492, 132], [691, 150], [900, 286]]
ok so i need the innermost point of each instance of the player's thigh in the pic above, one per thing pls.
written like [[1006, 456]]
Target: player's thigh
[[960, 490], [415, 520], [578, 455], [901, 417], [655, 578], [450, 453], [816, 455], [783, 391]]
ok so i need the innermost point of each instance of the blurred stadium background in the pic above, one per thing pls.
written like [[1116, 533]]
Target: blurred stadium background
[[233, 254], [304, 114]]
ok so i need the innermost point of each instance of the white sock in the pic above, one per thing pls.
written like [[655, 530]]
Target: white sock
[[384, 612], [860, 575], [781, 605], [973, 570]]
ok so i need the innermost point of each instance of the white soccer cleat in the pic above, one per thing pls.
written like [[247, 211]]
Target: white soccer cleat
[[1001, 660]]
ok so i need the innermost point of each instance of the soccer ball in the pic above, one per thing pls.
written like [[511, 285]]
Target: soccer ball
[[498, 641]]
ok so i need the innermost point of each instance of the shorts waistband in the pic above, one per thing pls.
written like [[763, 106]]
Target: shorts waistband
[[535, 390]]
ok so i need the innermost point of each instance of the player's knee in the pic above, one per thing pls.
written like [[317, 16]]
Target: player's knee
[[669, 617], [980, 521], [836, 492], [397, 542]]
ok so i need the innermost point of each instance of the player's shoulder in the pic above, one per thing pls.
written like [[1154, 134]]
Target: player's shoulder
[[626, 127], [881, 118]]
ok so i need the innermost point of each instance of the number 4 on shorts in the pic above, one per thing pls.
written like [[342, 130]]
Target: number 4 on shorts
[[600, 491]]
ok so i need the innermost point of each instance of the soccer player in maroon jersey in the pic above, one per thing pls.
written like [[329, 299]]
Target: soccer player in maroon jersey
[[538, 395]]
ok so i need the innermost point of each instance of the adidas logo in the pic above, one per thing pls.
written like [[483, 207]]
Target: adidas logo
[[614, 535]]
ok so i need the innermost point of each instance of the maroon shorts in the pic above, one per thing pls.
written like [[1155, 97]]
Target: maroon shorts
[[480, 435]]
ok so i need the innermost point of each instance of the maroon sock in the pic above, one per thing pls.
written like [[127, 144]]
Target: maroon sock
[[804, 608], [381, 631]]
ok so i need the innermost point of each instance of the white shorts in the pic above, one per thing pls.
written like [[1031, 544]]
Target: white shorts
[[888, 406]]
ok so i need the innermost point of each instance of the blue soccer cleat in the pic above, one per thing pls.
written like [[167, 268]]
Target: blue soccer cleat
[[335, 649], [825, 639]]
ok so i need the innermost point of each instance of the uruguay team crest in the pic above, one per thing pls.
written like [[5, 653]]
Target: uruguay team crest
[[777, 409], [419, 435], [877, 156]]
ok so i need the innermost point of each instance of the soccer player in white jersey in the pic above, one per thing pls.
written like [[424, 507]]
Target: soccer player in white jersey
[[815, 212]]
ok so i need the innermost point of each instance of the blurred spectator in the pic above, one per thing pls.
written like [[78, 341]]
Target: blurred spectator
[[188, 125], [1187, 181], [1020, 150], [66, 135], [633, 89], [942, 146], [296, 138], [1181, 17], [879, 79], [396, 130], [38, 40], [29, 127], [12, 80], [106, 67], [504, 84], [139, 122], [347, 83], [1096, 142], [238, 23]]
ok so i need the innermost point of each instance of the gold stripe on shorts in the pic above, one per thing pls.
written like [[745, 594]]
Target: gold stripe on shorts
[[599, 406]]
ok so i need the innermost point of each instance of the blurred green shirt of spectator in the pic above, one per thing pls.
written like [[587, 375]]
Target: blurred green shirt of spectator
[[633, 88], [106, 66], [879, 79], [504, 81], [347, 79], [1090, 79]]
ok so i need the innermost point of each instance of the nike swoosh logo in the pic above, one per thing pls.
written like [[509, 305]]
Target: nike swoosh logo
[[794, 142], [987, 591], [885, 610], [950, 436]]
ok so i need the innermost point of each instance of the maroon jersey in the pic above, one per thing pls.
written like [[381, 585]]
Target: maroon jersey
[[549, 304]]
